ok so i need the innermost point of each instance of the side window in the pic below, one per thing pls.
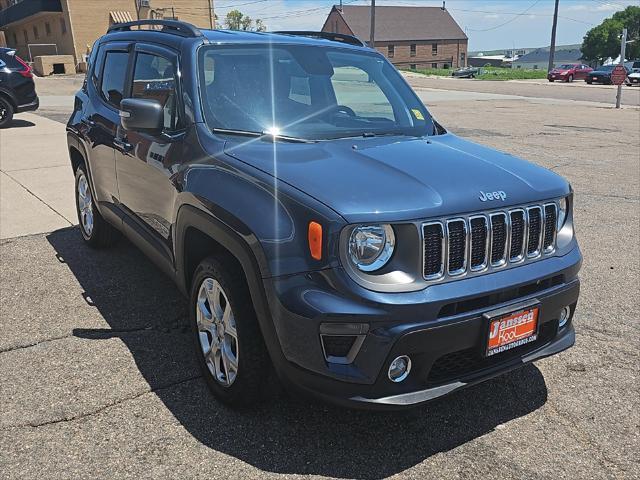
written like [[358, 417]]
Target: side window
[[154, 79], [113, 79], [354, 90], [94, 64]]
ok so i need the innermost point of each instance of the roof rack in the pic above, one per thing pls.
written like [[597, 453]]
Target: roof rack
[[336, 37], [174, 27]]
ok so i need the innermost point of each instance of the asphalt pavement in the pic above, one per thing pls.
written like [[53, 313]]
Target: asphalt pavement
[[99, 381]]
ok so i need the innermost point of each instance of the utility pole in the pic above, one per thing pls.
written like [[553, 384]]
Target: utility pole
[[211, 15], [372, 33], [552, 48], [623, 49]]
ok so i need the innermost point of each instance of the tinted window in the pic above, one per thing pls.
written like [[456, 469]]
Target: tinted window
[[153, 79], [113, 80]]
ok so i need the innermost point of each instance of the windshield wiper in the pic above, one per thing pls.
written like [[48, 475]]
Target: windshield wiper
[[251, 133]]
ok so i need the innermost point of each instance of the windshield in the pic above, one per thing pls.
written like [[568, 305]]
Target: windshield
[[566, 66], [607, 68], [308, 92]]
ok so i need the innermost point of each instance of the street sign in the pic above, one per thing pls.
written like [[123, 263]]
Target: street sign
[[618, 75]]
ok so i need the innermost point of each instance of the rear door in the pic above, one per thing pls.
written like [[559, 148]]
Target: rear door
[[146, 163], [100, 121]]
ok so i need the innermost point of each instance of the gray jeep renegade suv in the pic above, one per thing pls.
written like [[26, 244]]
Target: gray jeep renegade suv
[[322, 224]]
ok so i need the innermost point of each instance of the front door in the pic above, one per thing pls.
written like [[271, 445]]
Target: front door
[[146, 163]]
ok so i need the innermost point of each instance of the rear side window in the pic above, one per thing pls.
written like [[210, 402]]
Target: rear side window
[[113, 79], [10, 60], [154, 79]]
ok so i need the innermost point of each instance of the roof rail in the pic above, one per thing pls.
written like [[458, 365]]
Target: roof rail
[[336, 37], [175, 27]]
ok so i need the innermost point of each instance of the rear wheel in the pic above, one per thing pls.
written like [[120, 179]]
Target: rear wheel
[[230, 349], [96, 232], [589, 81], [6, 112], [551, 80]]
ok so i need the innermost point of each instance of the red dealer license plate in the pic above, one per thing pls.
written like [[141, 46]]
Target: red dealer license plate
[[512, 330]]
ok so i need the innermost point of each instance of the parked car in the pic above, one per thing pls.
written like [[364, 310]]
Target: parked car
[[603, 74], [320, 221], [467, 72], [634, 65], [17, 89], [569, 72], [633, 78]]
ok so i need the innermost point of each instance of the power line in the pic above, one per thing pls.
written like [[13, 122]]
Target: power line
[[524, 12]]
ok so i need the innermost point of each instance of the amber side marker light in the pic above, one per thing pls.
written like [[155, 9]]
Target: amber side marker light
[[315, 240]]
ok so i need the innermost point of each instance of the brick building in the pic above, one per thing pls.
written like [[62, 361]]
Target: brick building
[[411, 37], [44, 27]]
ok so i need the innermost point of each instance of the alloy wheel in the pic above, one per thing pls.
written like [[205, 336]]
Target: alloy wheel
[[217, 332], [85, 205]]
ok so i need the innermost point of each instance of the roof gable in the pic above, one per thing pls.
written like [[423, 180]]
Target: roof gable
[[541, 54], [402, 23]]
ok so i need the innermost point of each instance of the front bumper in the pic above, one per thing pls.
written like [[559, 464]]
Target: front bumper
[[441, 328]]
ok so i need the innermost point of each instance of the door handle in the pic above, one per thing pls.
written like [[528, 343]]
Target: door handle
[[122, 145]]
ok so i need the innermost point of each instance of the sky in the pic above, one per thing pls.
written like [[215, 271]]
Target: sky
[[489, 24]]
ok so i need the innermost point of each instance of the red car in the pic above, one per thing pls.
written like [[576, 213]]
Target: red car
[[569, 72]]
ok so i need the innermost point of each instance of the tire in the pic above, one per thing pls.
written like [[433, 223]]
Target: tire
[[95, 230], [219, 344], [570, 79], [6, 112], [551, 80], [589, 82]]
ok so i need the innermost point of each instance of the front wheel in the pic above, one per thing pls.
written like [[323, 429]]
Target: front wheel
[[589, 82], [570, 78], [6, 112], [229, 346], [96, 232]]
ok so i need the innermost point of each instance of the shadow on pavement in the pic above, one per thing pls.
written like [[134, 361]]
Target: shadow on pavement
[[286, 435], [18, 123]]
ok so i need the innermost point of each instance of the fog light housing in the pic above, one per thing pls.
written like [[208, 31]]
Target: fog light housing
[[399, 368], [564, 316]]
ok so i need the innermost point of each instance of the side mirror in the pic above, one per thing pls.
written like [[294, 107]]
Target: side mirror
[[141, 114]]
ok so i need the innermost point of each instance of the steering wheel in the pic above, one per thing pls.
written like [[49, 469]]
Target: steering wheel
[[341, 109]]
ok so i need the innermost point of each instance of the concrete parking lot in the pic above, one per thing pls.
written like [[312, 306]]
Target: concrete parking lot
[[98, 379]]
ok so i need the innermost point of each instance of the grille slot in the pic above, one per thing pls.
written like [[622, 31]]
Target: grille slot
[[534, 215], [486, 241], [498, 239], [550, 220], [479, 233], [517, 235], [457, 231], [433, 250]]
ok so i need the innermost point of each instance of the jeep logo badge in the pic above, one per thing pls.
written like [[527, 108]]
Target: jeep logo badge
[[486, 196]]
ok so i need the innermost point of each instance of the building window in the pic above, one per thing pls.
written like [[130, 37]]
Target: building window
[[36, 34], [434, 48], [26, 36], [445, 66], [462, 58], [535, 67], [412, 66], [412, 50], [63, 26], [47, 28], [391, 50], [434, 65], [15, 39]]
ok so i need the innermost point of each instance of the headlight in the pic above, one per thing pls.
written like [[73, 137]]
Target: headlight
[[371, 246], [563, 204]]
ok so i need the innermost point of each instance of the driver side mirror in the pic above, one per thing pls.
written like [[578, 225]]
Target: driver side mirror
[[142, 115]]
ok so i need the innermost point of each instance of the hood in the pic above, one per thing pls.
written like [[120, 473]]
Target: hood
[[400, 178]]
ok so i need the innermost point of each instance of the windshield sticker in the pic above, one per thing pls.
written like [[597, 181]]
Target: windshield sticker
[[417, 113]]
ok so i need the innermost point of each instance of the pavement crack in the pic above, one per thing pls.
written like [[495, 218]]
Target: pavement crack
[[101, 409], [34, 344]]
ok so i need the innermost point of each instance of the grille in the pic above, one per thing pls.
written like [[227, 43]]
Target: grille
[[457, 230], [482, 242]]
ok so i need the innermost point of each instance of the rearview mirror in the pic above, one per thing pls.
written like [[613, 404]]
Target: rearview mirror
[[141, 114]]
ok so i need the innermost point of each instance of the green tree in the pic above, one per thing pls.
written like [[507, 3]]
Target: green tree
[[603, 41], [236, 20]]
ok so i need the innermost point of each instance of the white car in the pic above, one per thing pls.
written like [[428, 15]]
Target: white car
[[633, 79]]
